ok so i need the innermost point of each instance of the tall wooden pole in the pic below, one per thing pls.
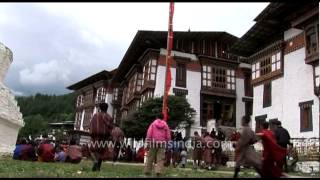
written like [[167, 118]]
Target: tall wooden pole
[[167, 83]]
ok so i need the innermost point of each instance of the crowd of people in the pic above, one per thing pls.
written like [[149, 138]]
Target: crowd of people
[[165, 147], [45, 150]]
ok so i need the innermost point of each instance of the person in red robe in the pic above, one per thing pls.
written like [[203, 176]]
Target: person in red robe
[[272, 154]]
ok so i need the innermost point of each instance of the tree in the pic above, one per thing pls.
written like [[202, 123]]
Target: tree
[[181, 115], [40, 109]]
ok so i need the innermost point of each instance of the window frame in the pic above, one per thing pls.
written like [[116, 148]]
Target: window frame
[[312, 52], [181, 74], [267, 100], [306, 106]]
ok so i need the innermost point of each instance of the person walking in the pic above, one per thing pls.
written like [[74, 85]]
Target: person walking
[[118, 139], [158, 136], [283, 139], [272, 153], [101, 126], [247, 156]]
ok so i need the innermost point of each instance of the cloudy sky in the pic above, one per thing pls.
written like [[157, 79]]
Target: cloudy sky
[[57, 44]]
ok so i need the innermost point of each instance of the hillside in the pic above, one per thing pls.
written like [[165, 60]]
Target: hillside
[[41, 109]]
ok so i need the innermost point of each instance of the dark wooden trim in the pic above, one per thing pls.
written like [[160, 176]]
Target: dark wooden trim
[[247, 99], [265, 98], [269, 77], [215, 93], [267, 51], [262, 118], [310, 128], [310, 103], [180, 91], [316, 89], [311, 58], [306, 16], [183, 82], [207, 60]]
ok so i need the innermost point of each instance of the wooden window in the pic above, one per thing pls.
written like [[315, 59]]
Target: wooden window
[[219, 78], [87, 118], [223, 78], [265, 66], [149, 70], [248, 108], [259, 121], [248, 89], [316, 79], [206, 76], [78, 119], [80, 100], [312, 35], [256, 70], [306, 116], [115, 94], [101, 94], [276, 61], [267, 94], [181, 75], [180, 92]]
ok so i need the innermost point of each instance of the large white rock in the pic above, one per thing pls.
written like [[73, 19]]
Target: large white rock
[[10, 117]]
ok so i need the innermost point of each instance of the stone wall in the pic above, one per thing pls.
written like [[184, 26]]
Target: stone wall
[[10, 117]]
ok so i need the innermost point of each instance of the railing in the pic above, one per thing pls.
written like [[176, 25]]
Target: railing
[[307, 148]]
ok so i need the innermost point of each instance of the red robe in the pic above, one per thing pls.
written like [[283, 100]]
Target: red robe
[[272, 154]]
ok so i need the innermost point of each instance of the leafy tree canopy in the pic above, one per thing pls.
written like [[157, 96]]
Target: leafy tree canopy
[[181, 115], [40, 109]]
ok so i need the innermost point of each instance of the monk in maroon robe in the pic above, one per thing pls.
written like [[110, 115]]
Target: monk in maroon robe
[[272, 155]]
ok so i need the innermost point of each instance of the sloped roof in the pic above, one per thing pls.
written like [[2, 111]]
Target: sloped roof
[[270, 24], [103, 75], [158, 39]]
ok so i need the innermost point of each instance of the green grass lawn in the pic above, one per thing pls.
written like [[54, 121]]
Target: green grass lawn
[[13, 168]]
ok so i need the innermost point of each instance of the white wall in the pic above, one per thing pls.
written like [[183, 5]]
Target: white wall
[[240, 105], [108, 100], [193, 85], [294, 87], [276, 108], [8, 136], [298, 86]]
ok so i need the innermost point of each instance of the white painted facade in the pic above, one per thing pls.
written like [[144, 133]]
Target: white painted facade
[[193, 85], [10, 117], [295, 86]]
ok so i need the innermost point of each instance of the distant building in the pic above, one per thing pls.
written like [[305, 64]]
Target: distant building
[[283, 49], [272, 72], [215, 82], [90, 92]]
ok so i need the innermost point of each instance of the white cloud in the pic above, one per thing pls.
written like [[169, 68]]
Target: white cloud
[[45, 73], [57, 44]]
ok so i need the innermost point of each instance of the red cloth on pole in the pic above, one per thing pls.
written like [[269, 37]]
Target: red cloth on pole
[[168, 59]]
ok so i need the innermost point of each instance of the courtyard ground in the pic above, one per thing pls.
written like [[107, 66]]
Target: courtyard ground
[[13, 168]]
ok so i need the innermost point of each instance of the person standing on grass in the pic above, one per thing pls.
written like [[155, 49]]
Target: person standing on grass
[[118, 138], [158, 136], [197, 150], [208, 143], [272, 153], [183, 155], [247, 156], [101, 126]]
